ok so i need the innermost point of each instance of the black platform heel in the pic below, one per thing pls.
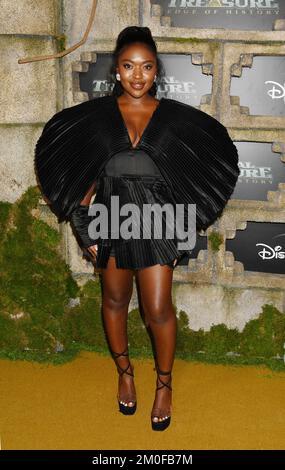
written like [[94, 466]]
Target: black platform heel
[[125, 409], [161, 425]]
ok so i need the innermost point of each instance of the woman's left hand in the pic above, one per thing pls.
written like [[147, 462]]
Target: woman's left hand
[[93, 250]]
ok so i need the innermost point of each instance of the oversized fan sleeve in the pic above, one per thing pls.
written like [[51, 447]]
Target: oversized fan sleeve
[[208, 164], [65, 160]]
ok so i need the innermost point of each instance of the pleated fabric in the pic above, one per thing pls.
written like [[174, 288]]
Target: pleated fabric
[[141, 252], [193, 151]]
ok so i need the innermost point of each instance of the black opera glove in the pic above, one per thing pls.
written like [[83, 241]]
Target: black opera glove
[[81, 220]]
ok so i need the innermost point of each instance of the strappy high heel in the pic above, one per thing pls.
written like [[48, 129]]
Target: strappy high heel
[[156, 412], [125, 409]]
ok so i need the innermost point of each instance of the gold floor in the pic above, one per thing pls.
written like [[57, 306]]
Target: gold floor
[[73, 406]]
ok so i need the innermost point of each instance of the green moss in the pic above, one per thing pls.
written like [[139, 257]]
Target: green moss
[[189, 40], [83, 323], [215, 239], [39, 322], [5, 208], [61, 42], [34, 281], [260, 343], [264, 336], [188, 341], [221, 340]]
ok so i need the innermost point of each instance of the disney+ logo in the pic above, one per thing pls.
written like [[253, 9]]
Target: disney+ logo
[[269, 252]]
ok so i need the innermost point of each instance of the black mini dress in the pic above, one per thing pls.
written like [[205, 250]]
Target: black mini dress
[[134, 177]]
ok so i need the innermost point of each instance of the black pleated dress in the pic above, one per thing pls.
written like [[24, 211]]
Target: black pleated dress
[[134, 177]]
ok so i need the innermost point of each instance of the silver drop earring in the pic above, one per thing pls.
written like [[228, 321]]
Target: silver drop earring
[[118, 76]]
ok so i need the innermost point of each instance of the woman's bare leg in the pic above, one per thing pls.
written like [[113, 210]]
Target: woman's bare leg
[[155, 283], [117, 293]]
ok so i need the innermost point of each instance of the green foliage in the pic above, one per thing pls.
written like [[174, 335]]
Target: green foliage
[[4, 215], [264, 336], [188, 40], [221, 340], [215, 239], [261, 342], [188, 341], [61, 42], [83, 323], [35, 283]]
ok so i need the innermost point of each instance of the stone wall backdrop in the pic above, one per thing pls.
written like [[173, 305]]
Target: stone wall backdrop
[[215, 287]]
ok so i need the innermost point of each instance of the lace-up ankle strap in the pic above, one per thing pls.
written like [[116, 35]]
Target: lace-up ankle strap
[[124, 353], [164, 384], [122, 371]]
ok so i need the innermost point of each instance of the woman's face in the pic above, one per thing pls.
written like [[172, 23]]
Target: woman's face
[[137, 66]]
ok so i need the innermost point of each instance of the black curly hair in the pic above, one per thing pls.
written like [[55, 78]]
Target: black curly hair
[[127, 36]]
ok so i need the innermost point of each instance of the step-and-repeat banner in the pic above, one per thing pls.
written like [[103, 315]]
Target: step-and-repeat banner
[[229, 14]]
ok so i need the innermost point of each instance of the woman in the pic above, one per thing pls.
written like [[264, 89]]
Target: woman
[[146, 152]]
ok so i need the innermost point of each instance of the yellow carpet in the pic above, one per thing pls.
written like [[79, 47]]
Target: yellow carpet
[[73, 406]]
